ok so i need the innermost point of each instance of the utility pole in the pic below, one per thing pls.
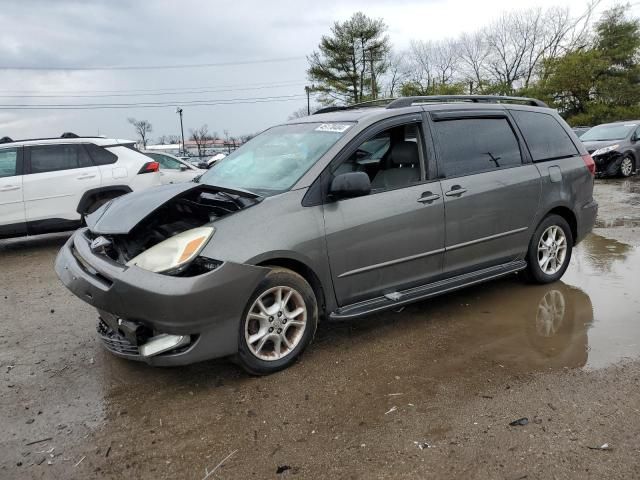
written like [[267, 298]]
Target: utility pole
[[373, 75], [179, 112], [308, 90]]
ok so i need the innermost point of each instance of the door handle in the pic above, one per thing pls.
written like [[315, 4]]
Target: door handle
[[428, 197], [86, 175], [9, 188], [455, 191]]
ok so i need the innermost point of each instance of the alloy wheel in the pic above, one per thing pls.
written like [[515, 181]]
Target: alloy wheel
[[626, 167], [275, 323], [552, 250]]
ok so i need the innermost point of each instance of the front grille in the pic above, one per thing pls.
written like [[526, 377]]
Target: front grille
[[114, 342]]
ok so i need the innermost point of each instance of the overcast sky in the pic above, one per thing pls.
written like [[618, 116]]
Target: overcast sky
[[241, 38]]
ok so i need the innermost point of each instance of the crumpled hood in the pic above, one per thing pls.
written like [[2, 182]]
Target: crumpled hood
[[121, 214]]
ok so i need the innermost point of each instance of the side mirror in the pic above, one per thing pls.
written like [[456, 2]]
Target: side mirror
[[634, 138], [183, 168], [350, 184]]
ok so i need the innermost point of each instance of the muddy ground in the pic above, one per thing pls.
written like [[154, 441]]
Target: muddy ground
[[428, 392]]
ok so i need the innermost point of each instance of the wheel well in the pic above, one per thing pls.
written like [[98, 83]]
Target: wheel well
[[569, 216], [91, 196], [307, 273]]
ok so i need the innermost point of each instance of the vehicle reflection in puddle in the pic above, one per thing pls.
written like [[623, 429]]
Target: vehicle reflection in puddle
[[607, 271], [590, 319]]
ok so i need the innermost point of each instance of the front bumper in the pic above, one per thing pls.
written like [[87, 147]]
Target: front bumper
[[608, 164], [207, 307]]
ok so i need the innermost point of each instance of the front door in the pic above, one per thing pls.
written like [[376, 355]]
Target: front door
[[393, 238], [490, 195], [12, 218]]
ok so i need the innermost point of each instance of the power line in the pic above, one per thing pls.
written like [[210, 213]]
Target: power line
[[153, 90], [150, 67], [195, 103], [147, 94]]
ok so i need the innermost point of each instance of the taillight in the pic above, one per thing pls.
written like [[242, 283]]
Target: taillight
[[149, 167], [589, 163]]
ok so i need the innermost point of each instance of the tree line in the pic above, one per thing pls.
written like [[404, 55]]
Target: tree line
[[586, 68]]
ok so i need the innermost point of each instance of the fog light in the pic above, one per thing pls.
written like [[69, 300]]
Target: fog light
[[162, 343]]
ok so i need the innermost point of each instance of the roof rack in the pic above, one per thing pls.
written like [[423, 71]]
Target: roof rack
[[64, 135], [408, 101], [380, 102]]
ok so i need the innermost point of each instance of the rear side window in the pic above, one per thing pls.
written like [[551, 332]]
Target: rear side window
[[8, 162], [475, 145], [164, 161], [52, 158], [101, 156], [545, 137]]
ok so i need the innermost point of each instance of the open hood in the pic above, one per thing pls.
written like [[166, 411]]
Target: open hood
[[121, 214]]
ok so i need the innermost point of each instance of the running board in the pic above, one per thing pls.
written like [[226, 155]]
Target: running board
[[403, 297]]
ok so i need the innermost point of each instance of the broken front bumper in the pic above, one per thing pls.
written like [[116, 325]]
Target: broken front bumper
[[207, 307], [608, 164]]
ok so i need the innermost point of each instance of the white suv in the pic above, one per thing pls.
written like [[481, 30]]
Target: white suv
[[48, 185]]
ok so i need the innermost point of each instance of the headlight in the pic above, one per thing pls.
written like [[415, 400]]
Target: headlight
[[603, 150], [173, 252]]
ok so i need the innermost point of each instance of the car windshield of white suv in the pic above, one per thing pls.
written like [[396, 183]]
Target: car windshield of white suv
[[607, 132], [276, 159]]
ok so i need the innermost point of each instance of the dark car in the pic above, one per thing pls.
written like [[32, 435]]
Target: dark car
[[337, 215], [615, 147]]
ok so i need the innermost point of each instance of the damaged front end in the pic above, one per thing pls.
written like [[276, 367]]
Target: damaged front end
[[168, 238], [140, 264]]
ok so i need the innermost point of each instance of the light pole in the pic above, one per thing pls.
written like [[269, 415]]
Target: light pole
[[308, 89], [179, 112]]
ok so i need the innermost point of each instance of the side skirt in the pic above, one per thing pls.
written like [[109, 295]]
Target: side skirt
[[403, 297]]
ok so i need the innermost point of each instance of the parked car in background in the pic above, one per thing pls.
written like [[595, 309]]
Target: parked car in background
[[615, 147], [579, 130], [49, 184], [210, 162], [173, 169], [339, 214]]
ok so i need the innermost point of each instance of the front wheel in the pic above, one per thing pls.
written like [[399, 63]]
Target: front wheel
[[279, 322], [626, 166], [549, 250]]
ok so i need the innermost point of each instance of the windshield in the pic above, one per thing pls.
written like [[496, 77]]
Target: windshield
[[607, 132], [275, 160]]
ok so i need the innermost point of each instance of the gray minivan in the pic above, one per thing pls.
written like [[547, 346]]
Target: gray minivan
[[337, 215]]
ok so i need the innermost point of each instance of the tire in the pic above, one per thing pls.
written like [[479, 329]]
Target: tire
[[626, 166], [289, 333], [538, 269]]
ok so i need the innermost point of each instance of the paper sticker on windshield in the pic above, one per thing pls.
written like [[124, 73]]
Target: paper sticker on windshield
[[333, 127]]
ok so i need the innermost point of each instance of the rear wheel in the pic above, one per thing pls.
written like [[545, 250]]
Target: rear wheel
[[626, 166], [549, 250], [279, 322]]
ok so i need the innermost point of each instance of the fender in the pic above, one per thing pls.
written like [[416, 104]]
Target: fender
[[89, 195]]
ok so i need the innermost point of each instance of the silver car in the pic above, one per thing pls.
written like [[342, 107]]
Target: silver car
[[333, 216]]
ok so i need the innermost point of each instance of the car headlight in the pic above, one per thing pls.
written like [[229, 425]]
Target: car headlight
[[603, 150], [174, 252]]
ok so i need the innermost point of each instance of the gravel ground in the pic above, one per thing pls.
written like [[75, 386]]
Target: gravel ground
[[427, 392]]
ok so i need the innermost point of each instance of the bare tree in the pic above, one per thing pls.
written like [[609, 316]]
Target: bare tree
[[168, 139], [201, 137], [397, 74], [473, 53], [143, 129]]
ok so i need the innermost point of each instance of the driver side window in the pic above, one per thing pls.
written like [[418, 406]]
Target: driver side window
[[392, 158]]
